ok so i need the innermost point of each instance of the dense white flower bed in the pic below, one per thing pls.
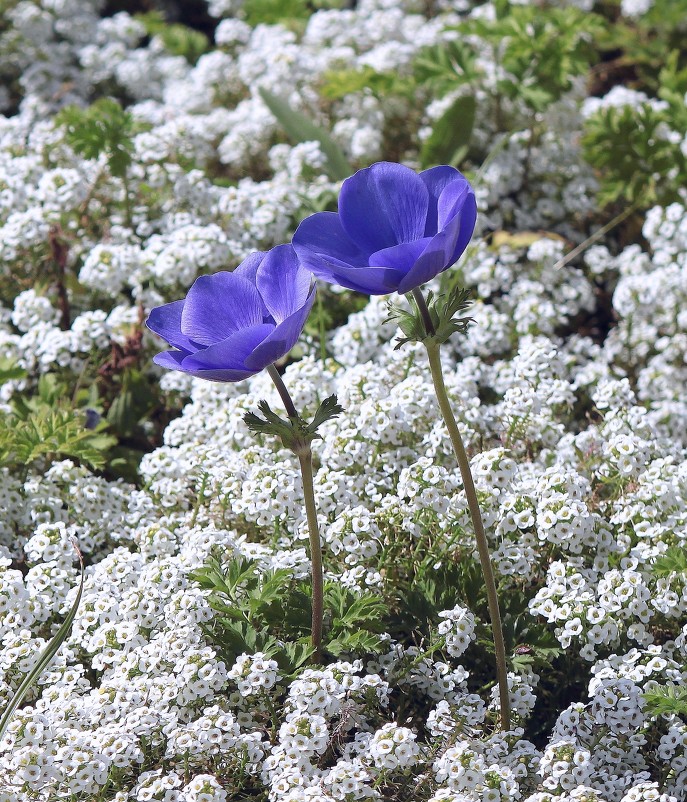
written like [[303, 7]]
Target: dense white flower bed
[[577, 438]]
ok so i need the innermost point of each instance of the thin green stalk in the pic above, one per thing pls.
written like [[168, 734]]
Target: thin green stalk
[[304, 454], [433, 354], [45, 657], [305, 461], [283, 392], [563, 261]]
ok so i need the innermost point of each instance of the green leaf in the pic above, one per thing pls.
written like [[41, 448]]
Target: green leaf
[[674, 561], [336, 84], [301, 129], [666, 700], [9, 371], [446, 66], [132, 404], [103, 127], [328, 409], [450, 139], [273, 12], [179, 40]]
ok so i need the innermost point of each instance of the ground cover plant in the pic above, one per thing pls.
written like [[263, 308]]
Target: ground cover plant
[[144, 146]]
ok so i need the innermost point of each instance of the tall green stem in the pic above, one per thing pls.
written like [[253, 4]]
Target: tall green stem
[[305, 461], [434, 356], [304, 454]]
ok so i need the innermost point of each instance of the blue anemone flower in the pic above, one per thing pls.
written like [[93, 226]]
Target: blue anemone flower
[[232, 325], [395, 229]]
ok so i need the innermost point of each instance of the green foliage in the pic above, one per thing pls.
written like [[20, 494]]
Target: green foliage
[[295, 433], [542, 49], [299, 128], [336, 84], [425, 589], [442, 310], [674, 561], [179, 40], [134, 402], [271, 612], [272, 12], [10, 371], [639, 47], [449, 141], [48, 426], [538, 52], [666, 700], [354, 621], [103, 127], [290, 13], [442, 68], [673, 89], [636, 160]]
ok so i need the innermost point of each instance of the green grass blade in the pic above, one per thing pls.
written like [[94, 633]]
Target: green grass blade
[[45, 657], [300, 129]]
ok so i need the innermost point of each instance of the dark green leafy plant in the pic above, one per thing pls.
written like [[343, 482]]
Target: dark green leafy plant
[[103, 127], [636, 49], [270, 612], [543, 49], [442, 68], [179, 40], [666, 700], [538, 51], [674, 561], [637, 161], [52, 425]]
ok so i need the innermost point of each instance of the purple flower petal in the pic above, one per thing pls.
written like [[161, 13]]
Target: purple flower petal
[[283, 283], [467, 217], [400, 257], [432, 262], [229, 354], [282, 338], [170, 359], [322, 233], [326, 250], [442, 251], [218, 305], [436, 179], [452, 200], [249, 266], [165, 321], [366, 279], [220, 375], [383, 205]]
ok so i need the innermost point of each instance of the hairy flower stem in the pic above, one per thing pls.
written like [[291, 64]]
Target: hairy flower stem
[[304, 454], [305, 461], [283, 392], [433, 354]]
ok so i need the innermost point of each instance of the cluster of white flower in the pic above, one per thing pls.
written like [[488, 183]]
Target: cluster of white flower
[[458, 628]]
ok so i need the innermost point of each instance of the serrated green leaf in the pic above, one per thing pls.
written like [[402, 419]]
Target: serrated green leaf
[[674, 561], [328, 409]]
